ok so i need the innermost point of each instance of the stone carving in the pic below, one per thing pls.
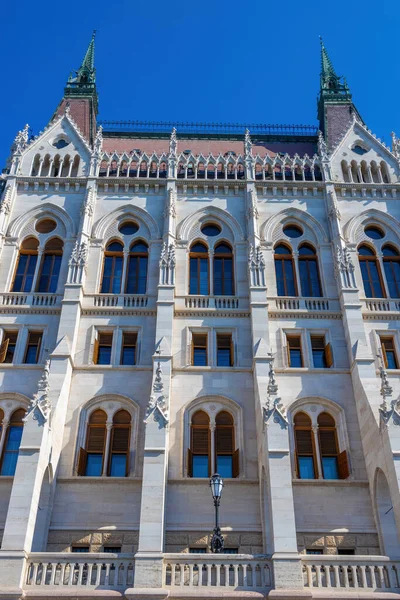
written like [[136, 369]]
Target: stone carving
[[78, 262], [5, 206], [322, 147], [40, 406], [386, 389], [167, 264], [248, 146], [157, 405], [172, 156], [344, 268], [256, 265], [170, 208], [333, 206], [173, 143], [395, 146], [274, 409], [253, 210], [88, 204], [21, 140], [98, 142]]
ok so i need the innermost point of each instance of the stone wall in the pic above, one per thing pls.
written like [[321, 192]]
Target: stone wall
[[62, 541], [362, 543], [246, 543]]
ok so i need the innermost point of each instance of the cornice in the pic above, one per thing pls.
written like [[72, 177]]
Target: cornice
[[277, 314], [212, 313]]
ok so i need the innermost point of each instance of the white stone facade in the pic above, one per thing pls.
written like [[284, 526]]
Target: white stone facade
[[156, 516]]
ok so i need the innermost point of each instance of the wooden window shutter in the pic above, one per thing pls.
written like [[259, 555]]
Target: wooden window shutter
[[120, 439], [327, 442], [232, 356], [200, 440], [328, 355], [189, 463], [224, 440], [96, 351], [96, 439], [3, 350], [304, 442], [384, 355], [82, 460], [235, 464], [343, 465], [296, 464]]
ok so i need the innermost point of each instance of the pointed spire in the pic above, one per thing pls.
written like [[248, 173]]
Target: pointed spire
[[86, 74], [330, 81]]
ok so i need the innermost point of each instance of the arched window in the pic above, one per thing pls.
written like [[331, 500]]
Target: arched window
[[143, 169], [67, 166], [309, 273], [93, 456], [284, 270], [328, 446], [119, 448], [354, 172], [306, 465], [374, 172], [136, 276], [75, 167], [163, 169], [12, 443], [199, 463], [345, 171], [50, 266], [112, 268], [385, 172], [364, 171], [26, 266], [199, 270], [35, 165], [391, 264], [240, 171], [223, 270], [370, 271], [226, 457]]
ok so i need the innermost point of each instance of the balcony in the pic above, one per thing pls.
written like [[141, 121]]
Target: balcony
[[118, 301], [30, 299], [231, 572], [380, 305], [57, 572], [351, 574], [306, 305]]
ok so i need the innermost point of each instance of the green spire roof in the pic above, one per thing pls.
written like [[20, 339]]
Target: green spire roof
[[331, 83], [86, 74]]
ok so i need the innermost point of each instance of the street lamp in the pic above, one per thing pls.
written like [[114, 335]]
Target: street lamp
[[217, 541]]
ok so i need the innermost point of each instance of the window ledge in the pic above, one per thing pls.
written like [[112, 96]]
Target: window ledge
[[192, 480], [38, 366], [321, 370], [330, 482], [114, 367], [91, 479]]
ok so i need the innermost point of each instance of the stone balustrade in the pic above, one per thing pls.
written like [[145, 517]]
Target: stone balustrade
[[380, 305], [289, 303], [30, 299], [140, 301], [211, 302], [351, 573], [79, 570], [239, 571]]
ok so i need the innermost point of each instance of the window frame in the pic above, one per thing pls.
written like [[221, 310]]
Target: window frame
[[308, 258], [25, 252], [367, 259], [5, 344], [282, 258], [136, 256], [112, 254], [96, 346], [223, 256], [39, 346], [53, 253], [198, 256], [193, 347], [393, 336]]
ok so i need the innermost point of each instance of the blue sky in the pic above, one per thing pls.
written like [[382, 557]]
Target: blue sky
[[254, 62]]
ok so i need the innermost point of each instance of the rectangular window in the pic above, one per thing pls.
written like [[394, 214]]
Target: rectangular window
[[197, 550], [128, 351], [231, 550], [321, 352], [33, 347], [312, 551], [295, 357], [112, 549], [199, 349], [389, 353], [7, 348], [79, 549], [346, 551], [102, 348], [225, 350]]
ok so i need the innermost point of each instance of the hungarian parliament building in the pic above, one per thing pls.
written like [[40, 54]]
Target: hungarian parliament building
[[200, 356]]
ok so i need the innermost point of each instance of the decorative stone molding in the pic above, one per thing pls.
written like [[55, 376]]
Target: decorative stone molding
[[40, 406], [322, 147], [5, 206], [167, 264], [253, 210], [78, 262], [256, 266], [344, 268], [274, 409], [170, 208], [88, 204], [157, 405], [386, 388], [334, 211]]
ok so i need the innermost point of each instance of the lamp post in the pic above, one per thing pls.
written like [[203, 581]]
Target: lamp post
[[217, 541]]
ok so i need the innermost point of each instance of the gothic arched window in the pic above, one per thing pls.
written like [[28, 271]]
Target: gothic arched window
[[391, 264], [284, 270], [199, 270], [223, 270], [95, 444], [199, 463], [306, 465], [371, 273], [26, 266], [112, 268], [309, 273], [136, 276], [328, 446], [50, 266], [12, 443]]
